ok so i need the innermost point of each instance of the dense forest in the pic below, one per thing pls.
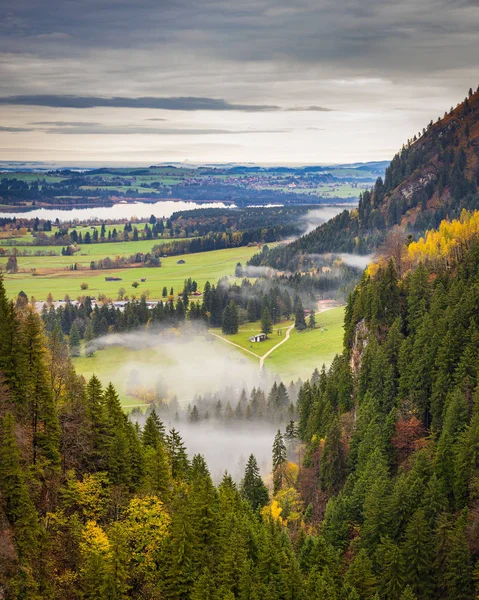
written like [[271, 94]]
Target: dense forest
[[434, 176], [275, 298], [382, 503]]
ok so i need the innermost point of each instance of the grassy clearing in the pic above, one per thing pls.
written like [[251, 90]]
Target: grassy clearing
[[248, 329], [109, 365], [55, 278], [116, 363], [306, 350], [298, 357]]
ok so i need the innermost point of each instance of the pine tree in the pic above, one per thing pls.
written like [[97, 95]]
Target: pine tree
[[154, 431], [74, 340], [418, 553], [177, 454], [312, 320], [19, 508], [252, 488], [230, 318], [279, 461], [332, 460], [299, 316], [266, 323]]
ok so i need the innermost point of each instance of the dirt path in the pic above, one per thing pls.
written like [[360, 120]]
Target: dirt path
[[285, 339], [237, 345]]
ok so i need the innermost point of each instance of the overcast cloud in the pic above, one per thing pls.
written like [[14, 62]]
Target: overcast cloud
[[308, 81]]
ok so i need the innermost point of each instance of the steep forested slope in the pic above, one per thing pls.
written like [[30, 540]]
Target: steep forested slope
[[393, 429], [382, 503], [434, 176]]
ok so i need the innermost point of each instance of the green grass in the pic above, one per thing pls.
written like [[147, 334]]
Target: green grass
[[109, 365], [248, 329], [298, 357], [115, 363], [202, 267], [306, 350]]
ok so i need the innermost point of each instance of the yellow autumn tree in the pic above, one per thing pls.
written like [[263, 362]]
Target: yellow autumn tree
[[95, 557], [272, 511], [146, 526]]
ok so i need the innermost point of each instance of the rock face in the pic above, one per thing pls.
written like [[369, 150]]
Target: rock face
[[361, 337]]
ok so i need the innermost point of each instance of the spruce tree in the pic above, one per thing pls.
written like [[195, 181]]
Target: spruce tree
[[279, 461], [266, 323], [157, 479], [41, 409], [299, 316], [117, 442], [418, 555], [177, 455], [332, 460], [74, 341], [18, 505], [230, 318], [391, 569], [252, 488], [154, 431]]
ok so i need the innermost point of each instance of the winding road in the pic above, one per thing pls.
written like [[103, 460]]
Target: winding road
[[265, 356]]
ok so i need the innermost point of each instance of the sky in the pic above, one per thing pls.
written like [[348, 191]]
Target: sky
[[218, 81]]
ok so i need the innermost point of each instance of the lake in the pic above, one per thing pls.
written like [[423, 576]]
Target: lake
[[141, 210]]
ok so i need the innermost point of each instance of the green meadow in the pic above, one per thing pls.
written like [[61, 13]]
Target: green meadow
[[297, 357], [246, 330], [54, 276], [306, 350]]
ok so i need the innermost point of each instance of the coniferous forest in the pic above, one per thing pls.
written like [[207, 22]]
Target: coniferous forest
[[374, 491]]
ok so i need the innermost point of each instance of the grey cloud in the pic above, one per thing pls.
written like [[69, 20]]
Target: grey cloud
[[371, 33], [13, 129], [310, 109], [172, 103], [66, 123], [126, 130]]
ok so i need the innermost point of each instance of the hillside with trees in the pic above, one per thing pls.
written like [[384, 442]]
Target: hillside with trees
[[433, 177], [374, 489]]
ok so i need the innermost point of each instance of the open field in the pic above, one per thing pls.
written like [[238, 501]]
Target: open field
[[177, 366], [298, 357], [248, 329], [55, 277], [306, 350], [109, 365], [87, 253]]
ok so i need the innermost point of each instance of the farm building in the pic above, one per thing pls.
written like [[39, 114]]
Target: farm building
[[181, 262], [112, 278], [259, 337]]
